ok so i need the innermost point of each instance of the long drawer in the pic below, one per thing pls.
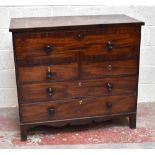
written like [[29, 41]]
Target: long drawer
[[77, 108], [76, 89], [36, 47]]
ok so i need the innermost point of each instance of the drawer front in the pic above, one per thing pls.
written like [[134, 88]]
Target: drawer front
[[113, 46], [108, 68], [76, 89], [48, 73], [119, 50], [88, 107], [32, 47]]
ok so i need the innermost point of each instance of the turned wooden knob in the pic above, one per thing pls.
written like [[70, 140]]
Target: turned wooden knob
[[51, 111], [50, 91], [109, 105], [48, 49], [109, 45], [49, 73], [109, 86]]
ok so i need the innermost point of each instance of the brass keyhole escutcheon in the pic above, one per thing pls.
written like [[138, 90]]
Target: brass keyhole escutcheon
[[80, 84], [80, 36], [80, 102], [109, 67]]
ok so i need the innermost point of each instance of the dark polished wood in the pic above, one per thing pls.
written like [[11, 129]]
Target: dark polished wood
[[70, 22], [76, 89], [89, 70], [76, 70], [24, 130], [77, 108], [48, 73], [31, 47], [108, 68], [132, 121]]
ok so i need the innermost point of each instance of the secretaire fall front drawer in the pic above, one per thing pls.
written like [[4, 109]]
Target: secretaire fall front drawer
[[64, 46]]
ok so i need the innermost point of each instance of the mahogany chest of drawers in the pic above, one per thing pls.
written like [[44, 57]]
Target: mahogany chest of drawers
[[76, 69]]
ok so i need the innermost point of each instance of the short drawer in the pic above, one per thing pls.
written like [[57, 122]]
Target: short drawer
[[55, 72], [108, 68], [39, 47], [76, 89], [78, 108], [113, 46]]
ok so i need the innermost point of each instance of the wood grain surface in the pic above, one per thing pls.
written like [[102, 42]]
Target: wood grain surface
[[74, 70], [77, 108]]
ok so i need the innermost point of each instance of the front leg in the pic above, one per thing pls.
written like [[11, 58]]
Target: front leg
[[23, 130], [132, 121]]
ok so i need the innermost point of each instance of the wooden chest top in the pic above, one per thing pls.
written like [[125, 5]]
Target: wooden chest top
[[69, 22]]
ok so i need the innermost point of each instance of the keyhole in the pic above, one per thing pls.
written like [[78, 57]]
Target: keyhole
[[80, 102], [109, 67], [80, 84]]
